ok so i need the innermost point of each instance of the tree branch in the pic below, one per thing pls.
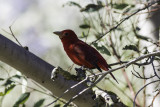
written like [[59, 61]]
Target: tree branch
[[41, 71], [109, 71], [115, 27]]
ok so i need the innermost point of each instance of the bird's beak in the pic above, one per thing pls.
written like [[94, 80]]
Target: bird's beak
[[58, 33]]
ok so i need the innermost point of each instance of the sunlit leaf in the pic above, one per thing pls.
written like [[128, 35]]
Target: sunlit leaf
[[8, 89], [102, 49], [22, 99], [84, 26], [131, 47], [1, 94], [39, 103], [92, 8], [83, 35]]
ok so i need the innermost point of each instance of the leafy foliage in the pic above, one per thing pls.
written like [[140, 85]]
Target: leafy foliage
[[84, 26], [71, 3], [131, 47], [22, 99], [39, 103], [8, 89], [9, 85], [120, 6], [8, 82], [102, 49], [92, 8], [57, 105], [17, 76], [1, 79], [142, 37]]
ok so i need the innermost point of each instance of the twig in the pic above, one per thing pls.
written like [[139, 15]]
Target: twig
[[154, 98], [139, 76], [109, 71], [123, 70], [131, 62], [155, 71], [138, 64], [105, 73], [19, 83], [10, 27], [67, 91], [121, 90], [142, 89], [149, 4]]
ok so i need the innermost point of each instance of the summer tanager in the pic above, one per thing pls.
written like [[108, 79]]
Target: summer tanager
[[81, 53]]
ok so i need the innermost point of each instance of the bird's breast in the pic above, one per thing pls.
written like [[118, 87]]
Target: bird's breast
[[72, 54]]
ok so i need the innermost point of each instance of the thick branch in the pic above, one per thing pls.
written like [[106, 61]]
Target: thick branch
[[40, 71]]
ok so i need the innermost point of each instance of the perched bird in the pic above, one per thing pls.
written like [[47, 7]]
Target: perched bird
[[81, 53]]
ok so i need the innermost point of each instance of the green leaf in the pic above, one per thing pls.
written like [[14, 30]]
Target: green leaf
[[142, 37], [8, 89], [57, 105], [22, 99], [39, 103], [23, 105], [99, 2], [71, 3], [1, 94], [157, 58], [102, 49], [17, 76], [84, 26], [120, 37], [92, 8], [83, 35], [120, 6], [131, 47], [8, 82], [1, 79]]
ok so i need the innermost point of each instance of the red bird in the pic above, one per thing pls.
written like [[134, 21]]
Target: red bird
[[81, 53]]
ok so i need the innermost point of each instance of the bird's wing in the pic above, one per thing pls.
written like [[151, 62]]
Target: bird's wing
[[90, 55], [85, 52]]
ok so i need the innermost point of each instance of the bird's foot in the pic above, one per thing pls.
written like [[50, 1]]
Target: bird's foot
[[82, 67], [81, 73]]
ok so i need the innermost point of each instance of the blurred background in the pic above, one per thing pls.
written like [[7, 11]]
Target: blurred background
[[33, 23]]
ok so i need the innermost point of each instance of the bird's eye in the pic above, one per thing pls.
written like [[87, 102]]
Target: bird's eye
[[65, 34]]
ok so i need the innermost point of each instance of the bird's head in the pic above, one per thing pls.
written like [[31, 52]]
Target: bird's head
[[66, 34]]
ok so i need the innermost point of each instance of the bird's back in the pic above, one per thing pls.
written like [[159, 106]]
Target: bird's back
[[85, 55]]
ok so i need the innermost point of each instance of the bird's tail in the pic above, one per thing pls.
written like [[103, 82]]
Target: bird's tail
[[114, 78], [106, 69]]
